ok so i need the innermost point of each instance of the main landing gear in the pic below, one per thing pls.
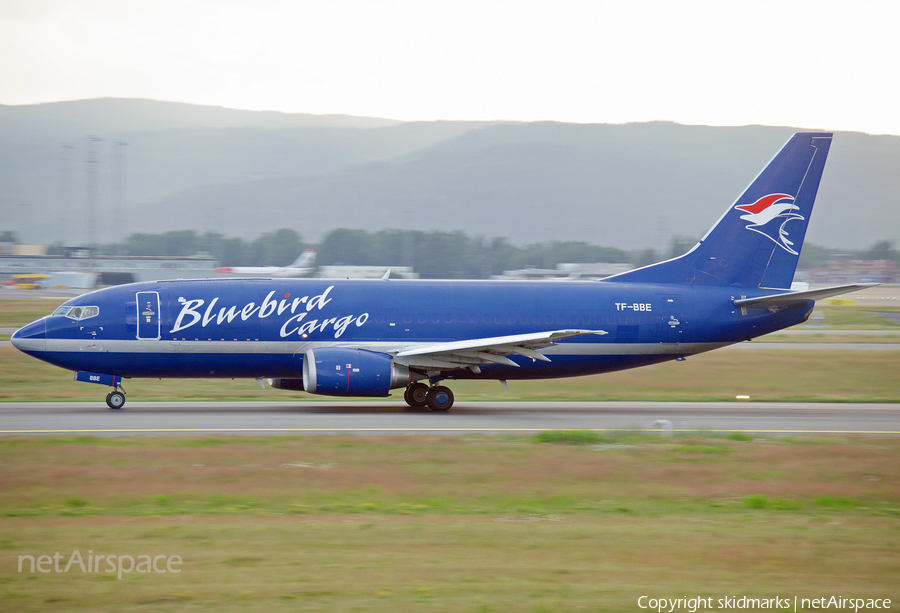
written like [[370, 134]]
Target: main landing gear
[[115, 399], [436, 397]]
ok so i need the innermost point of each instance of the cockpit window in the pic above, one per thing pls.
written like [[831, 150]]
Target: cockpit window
[[76, 313]]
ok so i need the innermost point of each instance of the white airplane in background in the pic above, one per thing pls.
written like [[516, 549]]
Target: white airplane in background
[[301, 267]]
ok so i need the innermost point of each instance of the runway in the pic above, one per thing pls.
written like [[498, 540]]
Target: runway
[[361, 417]]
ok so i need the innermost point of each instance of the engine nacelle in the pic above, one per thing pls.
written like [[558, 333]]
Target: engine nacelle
[[336, 371], [287, 384]]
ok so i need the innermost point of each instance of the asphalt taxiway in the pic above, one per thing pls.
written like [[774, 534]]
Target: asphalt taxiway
[[361, 417]]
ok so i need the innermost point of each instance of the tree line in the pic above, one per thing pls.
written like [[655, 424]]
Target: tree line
[[432, 254], [435, 255]]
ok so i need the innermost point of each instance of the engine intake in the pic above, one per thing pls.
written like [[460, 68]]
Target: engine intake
[[335, 371]]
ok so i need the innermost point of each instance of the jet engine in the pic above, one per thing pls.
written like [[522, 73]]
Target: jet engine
[[336, 371], [287, 384]]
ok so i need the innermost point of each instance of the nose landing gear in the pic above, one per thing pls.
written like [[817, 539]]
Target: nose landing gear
[[116, 398], [437, 397]]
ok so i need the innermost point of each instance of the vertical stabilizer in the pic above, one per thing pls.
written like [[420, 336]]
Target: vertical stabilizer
[[757, 242], [306, 259]]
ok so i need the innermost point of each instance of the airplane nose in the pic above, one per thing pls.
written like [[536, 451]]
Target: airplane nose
[[31, 337]]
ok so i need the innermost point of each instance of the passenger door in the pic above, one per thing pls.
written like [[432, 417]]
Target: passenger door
[[148, 319]]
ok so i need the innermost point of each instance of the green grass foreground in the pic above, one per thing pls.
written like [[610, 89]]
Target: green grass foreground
[[479, 523]]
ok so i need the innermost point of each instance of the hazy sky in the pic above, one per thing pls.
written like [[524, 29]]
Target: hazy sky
[[820, 64]]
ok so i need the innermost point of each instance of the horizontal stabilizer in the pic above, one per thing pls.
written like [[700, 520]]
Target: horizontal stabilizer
[[782, 300]]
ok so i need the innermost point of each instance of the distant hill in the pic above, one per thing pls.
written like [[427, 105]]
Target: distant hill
[[113, 116], [244, 173]]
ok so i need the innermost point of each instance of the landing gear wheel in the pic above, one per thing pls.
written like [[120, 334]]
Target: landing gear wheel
[[440, 398], [416, 395], [115, 400]]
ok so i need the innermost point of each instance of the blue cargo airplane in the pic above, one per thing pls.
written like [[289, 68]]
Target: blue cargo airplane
[[365, 338]]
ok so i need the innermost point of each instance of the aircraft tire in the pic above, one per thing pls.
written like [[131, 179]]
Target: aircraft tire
[[440, 398], [416, 395], [115, 400]]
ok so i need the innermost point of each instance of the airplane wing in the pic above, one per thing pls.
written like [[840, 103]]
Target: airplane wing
[[485, 351], [783, 300]]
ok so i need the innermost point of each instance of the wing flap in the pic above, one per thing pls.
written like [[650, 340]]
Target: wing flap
[[481, 351]]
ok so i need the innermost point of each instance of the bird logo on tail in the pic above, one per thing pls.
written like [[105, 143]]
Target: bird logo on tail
[[769, 215]]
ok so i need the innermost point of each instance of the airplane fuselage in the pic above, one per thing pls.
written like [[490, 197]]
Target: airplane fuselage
[[263, 327], [266, 271]]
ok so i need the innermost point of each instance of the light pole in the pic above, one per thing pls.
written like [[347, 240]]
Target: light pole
[[91, 164], [119, 188], [64, 202]]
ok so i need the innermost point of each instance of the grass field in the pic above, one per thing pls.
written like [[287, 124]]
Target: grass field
[[17, 313], [576, 521], [451, 524], [858, 318]]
